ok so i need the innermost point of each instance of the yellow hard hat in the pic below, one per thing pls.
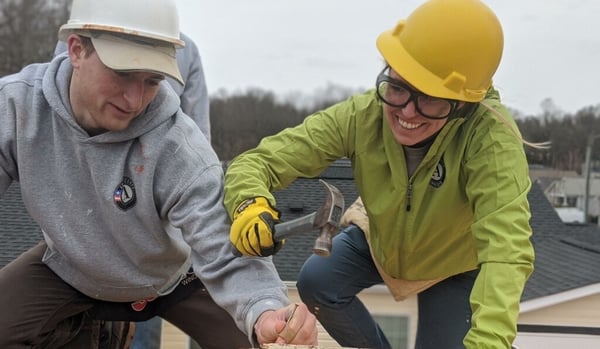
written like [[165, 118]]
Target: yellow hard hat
[[446, 48]]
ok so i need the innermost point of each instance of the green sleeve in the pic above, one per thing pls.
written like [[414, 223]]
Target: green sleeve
[[302, 151], [495, 303], [497, 185]]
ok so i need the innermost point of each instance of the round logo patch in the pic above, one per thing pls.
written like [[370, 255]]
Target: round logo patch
[[124, 195], [439, 174]]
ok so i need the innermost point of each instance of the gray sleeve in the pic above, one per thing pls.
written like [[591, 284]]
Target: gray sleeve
[[194, 97], [244, 286]]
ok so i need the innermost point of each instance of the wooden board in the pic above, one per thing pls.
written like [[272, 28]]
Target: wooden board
[[289, 346]]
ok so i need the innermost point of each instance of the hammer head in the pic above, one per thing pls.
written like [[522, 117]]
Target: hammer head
[[327, 218]]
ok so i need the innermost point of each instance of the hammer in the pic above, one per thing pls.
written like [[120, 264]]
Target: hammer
[[326, 219]]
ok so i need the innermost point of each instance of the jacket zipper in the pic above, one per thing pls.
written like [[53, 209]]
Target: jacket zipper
[[409, 195]]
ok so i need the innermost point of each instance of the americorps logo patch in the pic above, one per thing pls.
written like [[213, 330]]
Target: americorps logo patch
[[439, 174], [124, 195]]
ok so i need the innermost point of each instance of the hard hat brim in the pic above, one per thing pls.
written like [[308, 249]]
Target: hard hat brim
[[412, 71], [119, 53]]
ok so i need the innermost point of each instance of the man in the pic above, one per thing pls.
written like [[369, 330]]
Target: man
[[128, 194], [194, 103]]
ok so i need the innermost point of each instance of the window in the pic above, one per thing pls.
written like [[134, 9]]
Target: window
[[395, 329]]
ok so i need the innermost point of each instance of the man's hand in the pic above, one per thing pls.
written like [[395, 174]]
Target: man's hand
[[293, 324], [253, 228]]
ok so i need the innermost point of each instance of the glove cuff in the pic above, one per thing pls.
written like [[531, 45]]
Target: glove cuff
[[259, 202]]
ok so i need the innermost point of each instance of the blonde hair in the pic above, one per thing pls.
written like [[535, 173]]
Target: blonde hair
[[536, 145]]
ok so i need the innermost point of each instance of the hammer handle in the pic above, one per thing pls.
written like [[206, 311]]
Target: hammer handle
[[304, 224]]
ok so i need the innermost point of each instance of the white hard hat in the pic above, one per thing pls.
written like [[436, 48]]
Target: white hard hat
[[130, 35]]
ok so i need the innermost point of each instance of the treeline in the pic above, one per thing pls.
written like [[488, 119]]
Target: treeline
[[240, 120], [569, 135], [28, 31]]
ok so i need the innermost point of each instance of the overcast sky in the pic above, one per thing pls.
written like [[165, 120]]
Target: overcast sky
[[552, 47]]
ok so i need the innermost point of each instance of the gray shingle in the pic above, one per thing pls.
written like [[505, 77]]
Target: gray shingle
[[18, 231]]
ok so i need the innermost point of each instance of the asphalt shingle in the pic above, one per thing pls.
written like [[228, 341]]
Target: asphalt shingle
[[18, 231]]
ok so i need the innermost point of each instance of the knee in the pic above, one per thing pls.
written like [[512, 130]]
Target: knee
[[313, 282], [307, 284]]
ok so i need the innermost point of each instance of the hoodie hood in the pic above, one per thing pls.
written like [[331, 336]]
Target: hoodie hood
[[55, 85]]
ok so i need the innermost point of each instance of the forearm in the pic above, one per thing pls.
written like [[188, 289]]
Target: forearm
[[303, 151], [495, 300]]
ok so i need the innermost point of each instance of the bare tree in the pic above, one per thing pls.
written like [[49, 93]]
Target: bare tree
[[28, 31], [567, 134], [240, 120]]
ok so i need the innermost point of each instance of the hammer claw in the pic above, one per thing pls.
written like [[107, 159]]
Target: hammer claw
[[326, 219]]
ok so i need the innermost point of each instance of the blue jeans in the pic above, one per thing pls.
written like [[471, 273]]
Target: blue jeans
[[328, 286], [147, 334]]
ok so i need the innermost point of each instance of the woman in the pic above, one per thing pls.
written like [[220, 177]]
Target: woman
[[439, 164]]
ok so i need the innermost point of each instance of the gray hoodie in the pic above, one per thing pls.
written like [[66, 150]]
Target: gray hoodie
[[125, 214]]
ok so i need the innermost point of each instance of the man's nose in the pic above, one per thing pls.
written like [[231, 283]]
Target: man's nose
[[133, 92]]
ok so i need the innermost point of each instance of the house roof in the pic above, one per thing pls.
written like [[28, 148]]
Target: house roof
[[567, 255], [570, 214], [18, 231], [573, 186]]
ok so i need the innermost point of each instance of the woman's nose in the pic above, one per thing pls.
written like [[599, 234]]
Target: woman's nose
[[410, 109]]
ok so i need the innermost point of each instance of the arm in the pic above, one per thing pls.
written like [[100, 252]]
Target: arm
[[497, 186], [194, 98], [232, 282], [302, 151], [247, 288]]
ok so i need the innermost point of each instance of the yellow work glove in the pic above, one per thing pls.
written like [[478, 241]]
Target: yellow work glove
[[253, 228]]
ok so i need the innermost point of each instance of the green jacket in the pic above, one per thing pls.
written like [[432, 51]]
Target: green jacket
[[464, 207]]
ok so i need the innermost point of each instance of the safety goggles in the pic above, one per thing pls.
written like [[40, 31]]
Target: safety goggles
[[398, 94]]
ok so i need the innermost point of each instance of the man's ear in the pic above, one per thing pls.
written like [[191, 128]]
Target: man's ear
[[76, 49]]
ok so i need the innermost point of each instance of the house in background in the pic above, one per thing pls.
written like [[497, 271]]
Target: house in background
[[560, 307], [545, 175], [567, 195]]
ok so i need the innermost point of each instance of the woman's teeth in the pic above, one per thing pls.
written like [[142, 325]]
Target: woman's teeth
[[408, 125]]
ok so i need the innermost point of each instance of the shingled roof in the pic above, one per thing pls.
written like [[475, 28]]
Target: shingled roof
[[567, 256], [18, 231]]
